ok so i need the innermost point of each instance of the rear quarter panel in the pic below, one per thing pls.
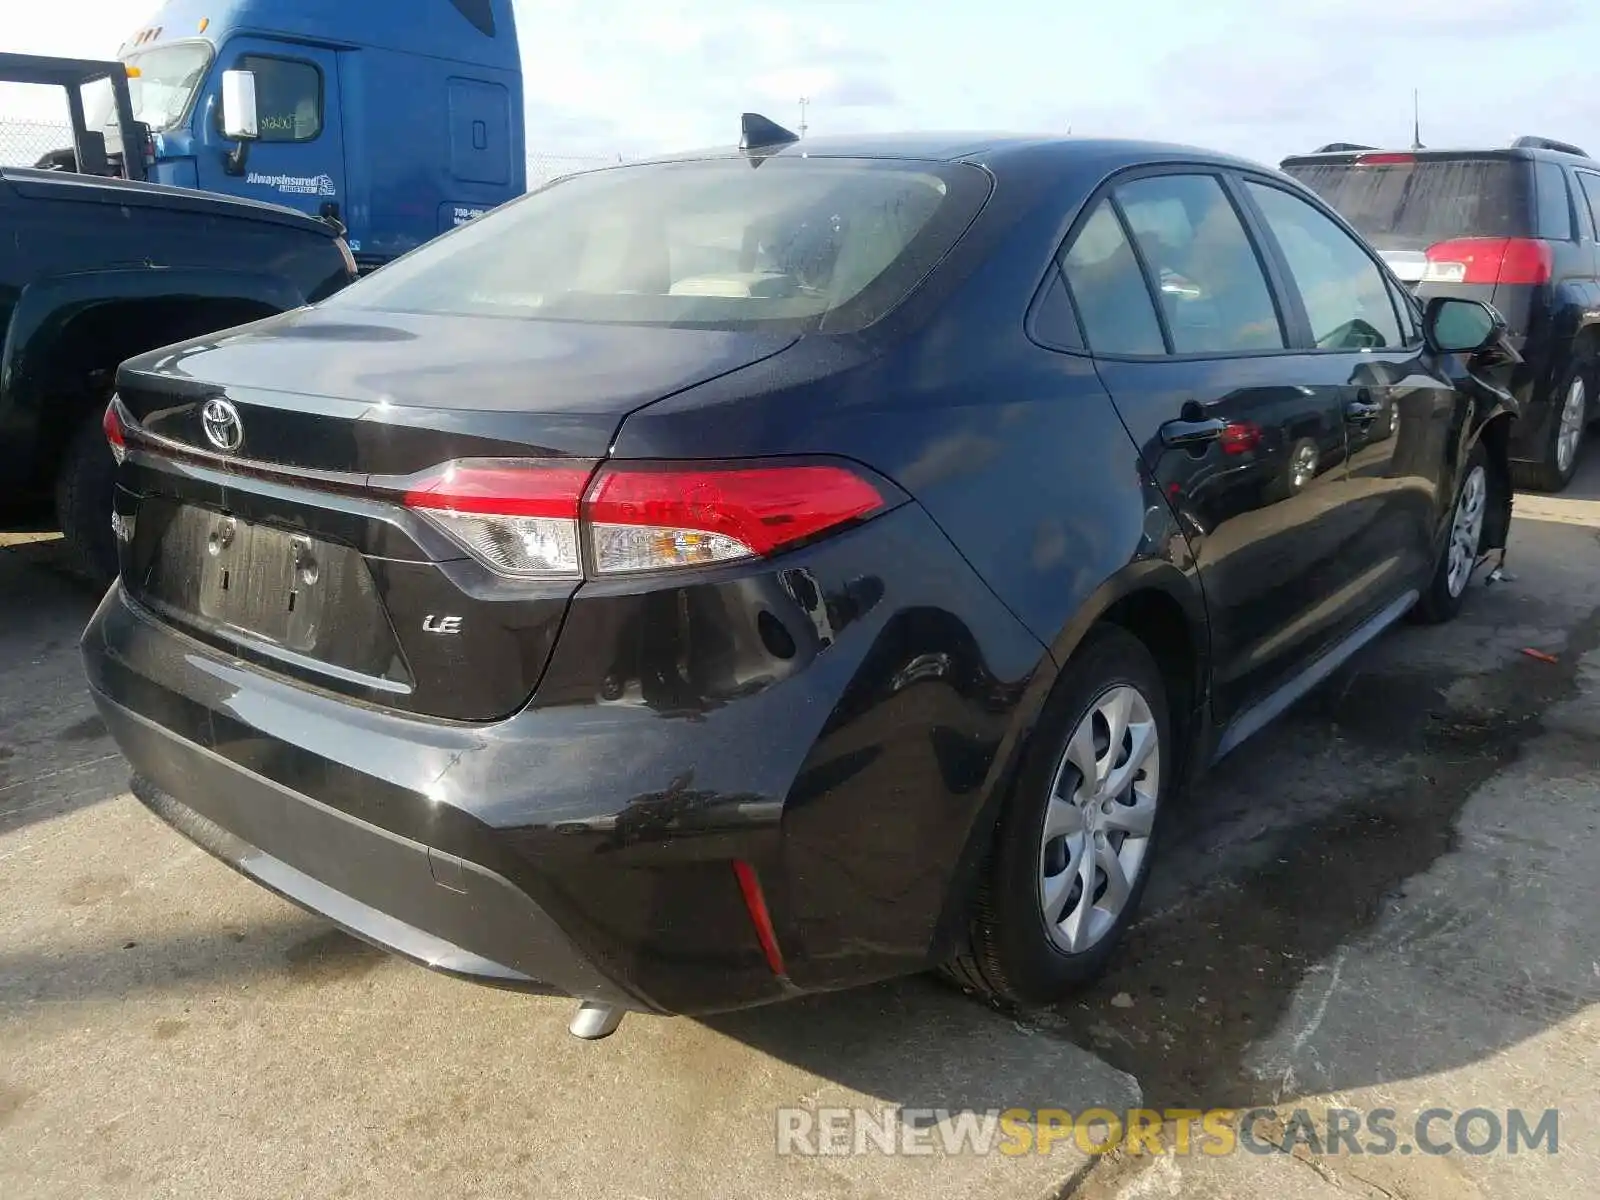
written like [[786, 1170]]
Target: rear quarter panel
[[1021, 461]]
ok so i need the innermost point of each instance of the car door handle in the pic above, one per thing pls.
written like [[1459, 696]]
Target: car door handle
[[1180, 435], [1362, 408]]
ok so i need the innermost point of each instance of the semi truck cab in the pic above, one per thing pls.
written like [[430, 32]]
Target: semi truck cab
[[399, 119]]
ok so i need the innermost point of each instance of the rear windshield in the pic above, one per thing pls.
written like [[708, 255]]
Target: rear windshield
[[1429, 200], [722, 243]]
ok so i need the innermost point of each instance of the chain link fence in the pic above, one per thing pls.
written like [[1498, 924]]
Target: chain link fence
[[23, 143]]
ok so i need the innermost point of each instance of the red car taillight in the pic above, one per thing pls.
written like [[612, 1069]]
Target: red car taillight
[[1240, 437], [116, 432], [1489, 261], [656, 518], [529, 518], [519, 517]]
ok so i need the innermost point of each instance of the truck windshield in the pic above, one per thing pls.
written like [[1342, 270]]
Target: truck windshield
[[161, 83], [826, 244]]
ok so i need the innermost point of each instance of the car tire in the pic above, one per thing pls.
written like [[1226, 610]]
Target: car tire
[[1016, 955], [1299, 469], [1448, 586], [1560, 462], [84, 489]]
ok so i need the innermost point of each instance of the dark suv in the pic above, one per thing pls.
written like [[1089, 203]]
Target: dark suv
[[1513, 227]]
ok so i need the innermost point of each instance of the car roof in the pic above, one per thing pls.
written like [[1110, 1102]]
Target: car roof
[[989, 148]]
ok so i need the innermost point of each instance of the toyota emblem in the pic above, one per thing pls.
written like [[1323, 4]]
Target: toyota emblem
[[223, 428]]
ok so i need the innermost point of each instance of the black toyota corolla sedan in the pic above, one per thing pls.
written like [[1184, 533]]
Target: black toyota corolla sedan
[[761, 572]]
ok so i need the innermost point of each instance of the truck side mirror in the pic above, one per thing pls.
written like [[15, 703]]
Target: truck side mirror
[[239, 120]]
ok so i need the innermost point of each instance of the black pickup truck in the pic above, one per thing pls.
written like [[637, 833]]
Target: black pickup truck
[[97, 266]]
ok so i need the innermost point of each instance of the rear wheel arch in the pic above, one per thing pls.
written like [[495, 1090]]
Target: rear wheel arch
[[1586, 350], [1161, 607], [65, 366], [1006, 954]]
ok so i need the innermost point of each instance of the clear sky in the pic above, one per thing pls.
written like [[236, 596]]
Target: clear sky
[[1252, 76]]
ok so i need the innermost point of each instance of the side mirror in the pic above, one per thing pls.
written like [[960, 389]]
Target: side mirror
[[239, 120], [1456, 326]]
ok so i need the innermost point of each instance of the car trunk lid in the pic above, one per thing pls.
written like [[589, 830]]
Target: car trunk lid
[[263, 510]]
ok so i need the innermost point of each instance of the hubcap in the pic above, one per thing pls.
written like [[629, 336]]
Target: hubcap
[[1099, 818], [1466, 531], [1571, 431], [1305, 465]]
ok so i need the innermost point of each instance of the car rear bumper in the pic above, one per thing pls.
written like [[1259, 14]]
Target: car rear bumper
[[596, 843], [351, 813], [407, 898]]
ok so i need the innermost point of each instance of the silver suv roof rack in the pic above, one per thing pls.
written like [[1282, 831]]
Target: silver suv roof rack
[[1544, 143]]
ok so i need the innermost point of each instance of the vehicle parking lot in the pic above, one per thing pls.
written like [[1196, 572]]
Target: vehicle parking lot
[[1382, 901]]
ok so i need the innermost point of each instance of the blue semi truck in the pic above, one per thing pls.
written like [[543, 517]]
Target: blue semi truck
[[399, 119]]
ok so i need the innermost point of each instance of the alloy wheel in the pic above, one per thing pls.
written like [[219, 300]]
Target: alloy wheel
[[1466, 530], [1570, 432], [1303, 466], [1099, 818]]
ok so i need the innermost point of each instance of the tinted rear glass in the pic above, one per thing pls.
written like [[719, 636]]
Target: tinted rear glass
[[1429, 200], [1555, 214], [809, 243]]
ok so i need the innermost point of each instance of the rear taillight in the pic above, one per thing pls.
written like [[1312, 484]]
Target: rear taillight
[[116, 432], [1489, 261], [519, 517], [1386, 158], [529, 518], [657, 518], [1240, 437]]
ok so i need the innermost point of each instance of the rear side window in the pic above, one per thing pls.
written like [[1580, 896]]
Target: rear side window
[[1425, 200], [806, 243], [1555, 211], [1213, 293], [288, 97], [1109, 289], [1591, 194], [1346, 295]]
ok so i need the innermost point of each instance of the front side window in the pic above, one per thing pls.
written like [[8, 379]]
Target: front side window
[[1346, 296], [1213, 292], [1109, 289], [825, 244], [1405, 304], [288, 97]]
